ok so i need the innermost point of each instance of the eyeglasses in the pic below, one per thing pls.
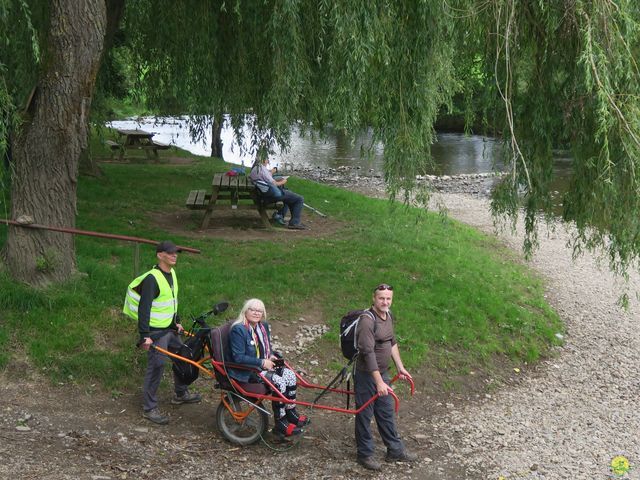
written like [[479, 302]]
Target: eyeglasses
[[255, 310], [383, 286]]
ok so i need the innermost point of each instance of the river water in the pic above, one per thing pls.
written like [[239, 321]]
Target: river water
[[453, 153]]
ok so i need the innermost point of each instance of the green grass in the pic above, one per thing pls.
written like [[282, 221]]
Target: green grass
[[456, 290]]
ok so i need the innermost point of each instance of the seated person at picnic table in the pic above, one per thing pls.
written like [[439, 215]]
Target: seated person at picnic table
[[277, 193], [250, 342]]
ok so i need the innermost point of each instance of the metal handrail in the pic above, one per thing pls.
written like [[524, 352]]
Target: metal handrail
[[75, 231]]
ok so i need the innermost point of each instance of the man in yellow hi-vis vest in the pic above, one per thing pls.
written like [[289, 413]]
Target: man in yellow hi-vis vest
[[152, 299]]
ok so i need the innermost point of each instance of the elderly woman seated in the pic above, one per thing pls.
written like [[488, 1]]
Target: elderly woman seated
[[250, 342]]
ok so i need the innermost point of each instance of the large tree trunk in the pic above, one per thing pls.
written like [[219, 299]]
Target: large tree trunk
[[216, 138], [47, 147]]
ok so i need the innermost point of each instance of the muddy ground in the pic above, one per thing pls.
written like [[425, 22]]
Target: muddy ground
[[66, 431]]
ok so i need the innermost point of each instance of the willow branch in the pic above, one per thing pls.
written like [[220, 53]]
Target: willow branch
[[505, 93]]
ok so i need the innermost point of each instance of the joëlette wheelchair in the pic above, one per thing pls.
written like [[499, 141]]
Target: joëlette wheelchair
[[241, 417]]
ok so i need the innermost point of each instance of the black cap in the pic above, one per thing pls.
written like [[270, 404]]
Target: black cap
[[167, 246]]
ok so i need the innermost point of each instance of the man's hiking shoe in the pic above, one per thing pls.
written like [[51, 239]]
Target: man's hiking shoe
[[296, 226], [370, 463], [155, 416], [294, 418], [403, 456], [187, 397]]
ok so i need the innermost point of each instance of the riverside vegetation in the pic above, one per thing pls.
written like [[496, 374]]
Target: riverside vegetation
[[462, 299]]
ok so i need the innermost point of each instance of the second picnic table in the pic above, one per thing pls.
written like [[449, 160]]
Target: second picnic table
[[139, 140], [232, 189]]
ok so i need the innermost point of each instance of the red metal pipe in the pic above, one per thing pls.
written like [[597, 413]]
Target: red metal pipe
[[89, 233], [275, 395]]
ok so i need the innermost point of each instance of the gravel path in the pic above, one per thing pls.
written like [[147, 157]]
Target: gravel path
[[579, 410]]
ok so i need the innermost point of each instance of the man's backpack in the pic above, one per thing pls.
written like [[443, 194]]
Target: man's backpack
[[348, 326], [193, 349]]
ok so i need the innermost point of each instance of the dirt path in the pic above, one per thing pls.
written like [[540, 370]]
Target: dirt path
[[566, 419], [66, 432]]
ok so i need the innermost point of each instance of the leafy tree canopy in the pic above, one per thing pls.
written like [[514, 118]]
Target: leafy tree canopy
[[546, 75]]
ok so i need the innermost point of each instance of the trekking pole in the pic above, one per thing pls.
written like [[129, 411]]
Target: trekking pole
[[314, 210]]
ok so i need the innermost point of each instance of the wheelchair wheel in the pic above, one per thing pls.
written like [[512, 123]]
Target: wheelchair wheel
[[240, 422]]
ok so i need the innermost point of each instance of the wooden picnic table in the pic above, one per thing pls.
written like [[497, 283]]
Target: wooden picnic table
[[228, 191], [139, 140]]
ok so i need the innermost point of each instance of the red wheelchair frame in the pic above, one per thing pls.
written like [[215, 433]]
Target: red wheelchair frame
[[240, 417]]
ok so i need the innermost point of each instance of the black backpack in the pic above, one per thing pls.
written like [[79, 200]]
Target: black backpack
[[193, 349], [348, 326]]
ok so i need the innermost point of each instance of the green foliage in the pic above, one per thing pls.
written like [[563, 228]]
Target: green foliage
[[19, 56], [22, 23], [386, 65], [560, 74], [568, 78], [114, 83]]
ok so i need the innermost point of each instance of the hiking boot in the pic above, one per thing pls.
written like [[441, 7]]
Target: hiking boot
[[370, 463], [155, 416], [402, 456], [286, 429], [186, 397], [296, 226], [294, 418]]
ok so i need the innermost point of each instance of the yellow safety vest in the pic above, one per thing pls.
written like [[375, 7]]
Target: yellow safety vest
[[164, 306]]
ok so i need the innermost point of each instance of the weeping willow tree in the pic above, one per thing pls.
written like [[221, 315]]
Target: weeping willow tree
[[566, 76], [548, 74], [384, 65]]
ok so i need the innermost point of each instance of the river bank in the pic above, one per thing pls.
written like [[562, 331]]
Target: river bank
[[366, 180]]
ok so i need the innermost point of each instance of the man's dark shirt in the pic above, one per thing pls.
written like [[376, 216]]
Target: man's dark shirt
[[149, 290], [375, 341]]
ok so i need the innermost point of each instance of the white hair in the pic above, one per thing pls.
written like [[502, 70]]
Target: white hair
[[251, 303]]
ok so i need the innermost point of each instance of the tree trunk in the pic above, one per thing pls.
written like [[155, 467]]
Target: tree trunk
[[47, 147], [216, 138]]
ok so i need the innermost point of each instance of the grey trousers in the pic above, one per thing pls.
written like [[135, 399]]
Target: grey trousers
[[155, 366], [381, 409]]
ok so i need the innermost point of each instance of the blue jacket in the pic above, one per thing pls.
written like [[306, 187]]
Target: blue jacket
[[243, 351]]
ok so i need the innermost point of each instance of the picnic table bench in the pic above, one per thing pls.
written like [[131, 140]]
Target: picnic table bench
[[231, 190], [137, 140], [113, 146]]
